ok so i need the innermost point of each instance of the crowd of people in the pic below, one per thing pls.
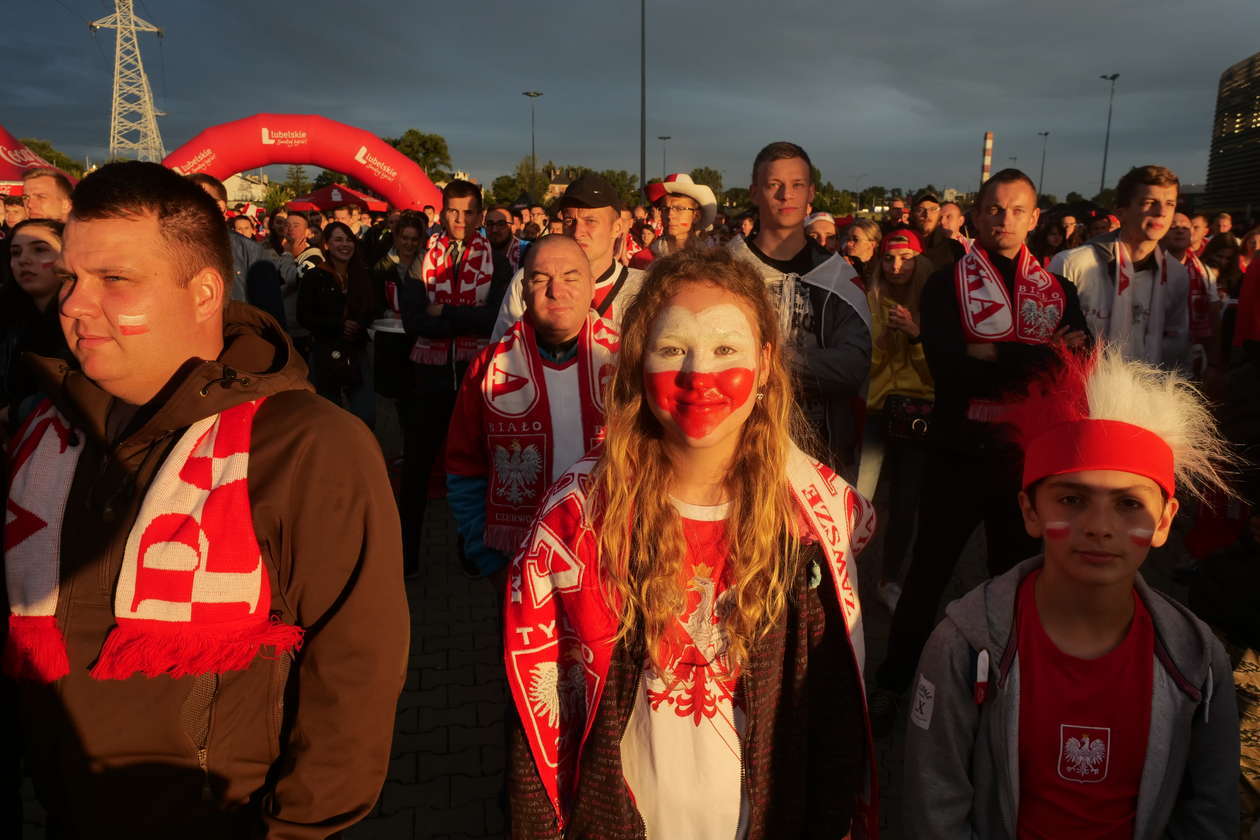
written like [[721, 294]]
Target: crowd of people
[[666, 433]]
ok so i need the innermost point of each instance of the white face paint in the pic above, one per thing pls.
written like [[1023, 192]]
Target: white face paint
[[700, 366], [1141, 537]]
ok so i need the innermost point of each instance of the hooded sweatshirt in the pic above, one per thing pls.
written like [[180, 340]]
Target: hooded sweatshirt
[[962, 757], [292, 747]]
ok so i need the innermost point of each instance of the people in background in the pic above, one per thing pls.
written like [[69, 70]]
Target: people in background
[[899, 400], [337, 304]]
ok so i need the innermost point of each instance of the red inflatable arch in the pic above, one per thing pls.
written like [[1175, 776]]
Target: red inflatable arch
[[307, 138]]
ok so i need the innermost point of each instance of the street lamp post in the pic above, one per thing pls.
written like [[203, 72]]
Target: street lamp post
[[664, 138], [1041, 179], [642, 93], [1102, 182], [533, 159]]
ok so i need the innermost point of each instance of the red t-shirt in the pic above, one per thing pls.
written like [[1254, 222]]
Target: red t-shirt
[[1083, 727]]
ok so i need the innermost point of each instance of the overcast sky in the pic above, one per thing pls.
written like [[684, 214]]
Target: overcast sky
[[893, 94]]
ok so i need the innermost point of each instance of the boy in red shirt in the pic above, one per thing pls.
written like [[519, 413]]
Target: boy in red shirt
[[1066, 698]]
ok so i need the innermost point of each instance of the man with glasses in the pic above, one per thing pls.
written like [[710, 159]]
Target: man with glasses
[[46, 194], [939, 246], [687, 208], [504, 246]]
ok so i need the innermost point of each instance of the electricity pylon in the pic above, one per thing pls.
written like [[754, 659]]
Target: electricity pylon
[[133, 119]]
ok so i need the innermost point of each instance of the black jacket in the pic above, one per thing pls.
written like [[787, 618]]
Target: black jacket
[[941, 249], [453, 322], [961, 378]]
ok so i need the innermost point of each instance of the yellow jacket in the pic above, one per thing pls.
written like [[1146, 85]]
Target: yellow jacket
[[897, 366]]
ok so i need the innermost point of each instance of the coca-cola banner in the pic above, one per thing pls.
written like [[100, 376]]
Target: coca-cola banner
[[265, 139]]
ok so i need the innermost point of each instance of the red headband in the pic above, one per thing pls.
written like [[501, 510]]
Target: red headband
[[901, 239], [1081, 445]]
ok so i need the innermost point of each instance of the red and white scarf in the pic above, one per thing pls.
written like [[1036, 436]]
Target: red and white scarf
[[985, 304], [559, 630], [193, 595], [518, 431], [1200, 305], [1121, 323], [514, 253], [466, 283], [629, 248], [393, 286]]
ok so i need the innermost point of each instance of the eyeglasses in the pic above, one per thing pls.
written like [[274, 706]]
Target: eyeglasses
[[499, 223], [677, 208]]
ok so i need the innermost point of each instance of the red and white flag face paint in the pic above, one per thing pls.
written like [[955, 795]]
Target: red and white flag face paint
[[1058, 530], [700, 368], [133, 324], [1141, 537]]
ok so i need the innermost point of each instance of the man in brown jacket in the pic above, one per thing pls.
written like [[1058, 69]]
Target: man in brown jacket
[[210, 634]]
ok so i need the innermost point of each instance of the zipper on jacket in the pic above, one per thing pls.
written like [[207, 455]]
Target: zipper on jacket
[[197, 719], [203, 751], [281, 681], [747, 736]]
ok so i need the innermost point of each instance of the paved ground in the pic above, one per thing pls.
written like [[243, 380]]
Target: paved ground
[[445, 776]]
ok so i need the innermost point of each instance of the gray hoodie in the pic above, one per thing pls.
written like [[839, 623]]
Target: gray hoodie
[[962, 758]]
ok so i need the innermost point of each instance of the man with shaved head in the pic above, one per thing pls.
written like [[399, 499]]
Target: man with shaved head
[[591, 212], [530, 406]]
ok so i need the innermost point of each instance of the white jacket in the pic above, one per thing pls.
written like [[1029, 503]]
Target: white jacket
[[1159, 332]]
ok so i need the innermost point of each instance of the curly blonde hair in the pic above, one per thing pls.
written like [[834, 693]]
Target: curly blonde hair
[[641, 539]]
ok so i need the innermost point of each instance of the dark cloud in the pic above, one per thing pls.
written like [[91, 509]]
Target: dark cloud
[[898, 96]]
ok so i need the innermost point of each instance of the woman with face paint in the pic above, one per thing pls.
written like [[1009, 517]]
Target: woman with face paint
[[682, 629], [898, 401], [28, 318], [1066, 697], [337, 304]]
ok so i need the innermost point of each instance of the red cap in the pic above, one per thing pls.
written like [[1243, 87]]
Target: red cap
[[901, 238]]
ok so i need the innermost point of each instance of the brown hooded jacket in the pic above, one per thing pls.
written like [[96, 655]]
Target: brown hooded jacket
[[292, 747]]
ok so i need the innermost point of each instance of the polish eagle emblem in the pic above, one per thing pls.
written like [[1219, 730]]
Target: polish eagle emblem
[[1038, 319], [1084, 755], [516, 470], [556, 692]]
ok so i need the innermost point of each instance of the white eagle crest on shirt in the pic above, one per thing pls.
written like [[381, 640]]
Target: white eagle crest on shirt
[[516, 470], [1084, 755], [557, 693]]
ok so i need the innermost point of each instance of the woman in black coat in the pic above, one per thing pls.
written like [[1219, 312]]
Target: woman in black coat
[[336, 302]]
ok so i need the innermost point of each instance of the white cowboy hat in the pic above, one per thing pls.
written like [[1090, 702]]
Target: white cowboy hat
[[680, 183]]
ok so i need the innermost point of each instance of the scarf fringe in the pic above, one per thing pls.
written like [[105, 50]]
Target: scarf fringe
[[35, 650], [505, 538], [188, 650]]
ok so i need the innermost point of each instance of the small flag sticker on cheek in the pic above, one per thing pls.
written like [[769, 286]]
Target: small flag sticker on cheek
[[1141, 537], [133, 324], [1058, 530]]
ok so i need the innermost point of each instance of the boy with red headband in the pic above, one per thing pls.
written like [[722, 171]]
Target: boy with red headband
[[1066, 698]]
